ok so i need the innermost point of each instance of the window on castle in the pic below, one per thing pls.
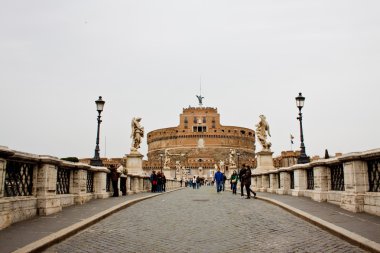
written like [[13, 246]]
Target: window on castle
[[199, 129], [204, 119], [195, 120], [186, 123]]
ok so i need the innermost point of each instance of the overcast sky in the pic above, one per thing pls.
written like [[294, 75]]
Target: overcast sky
[[146, 58]]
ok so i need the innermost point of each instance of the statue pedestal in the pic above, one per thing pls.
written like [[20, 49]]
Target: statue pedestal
[[264, 161], [134, 163]]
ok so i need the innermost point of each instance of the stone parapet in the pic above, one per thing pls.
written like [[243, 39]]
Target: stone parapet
[[16, 209], [40, 195], [348, 180]]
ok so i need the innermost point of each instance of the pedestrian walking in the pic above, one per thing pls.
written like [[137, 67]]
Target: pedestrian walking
[[247, 183], [224, 181], [194, 182], [159, 182], [163, 182], [218, 178], [241, 175], [115, 179], [234, 180], [153, 181]]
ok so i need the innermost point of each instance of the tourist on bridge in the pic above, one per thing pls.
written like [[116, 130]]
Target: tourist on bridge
[[224, 181], [153, 180], [115, 179], [159, 182], [241, 175], [234, 179], [163, 182], [247, 183], [218, 178]]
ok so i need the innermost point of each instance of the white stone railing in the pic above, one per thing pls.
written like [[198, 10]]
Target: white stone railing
[[351, 181], [33, 185]]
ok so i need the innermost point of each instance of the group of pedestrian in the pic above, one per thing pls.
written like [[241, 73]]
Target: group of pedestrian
[[244, 177], [158, 181], [196, 182]]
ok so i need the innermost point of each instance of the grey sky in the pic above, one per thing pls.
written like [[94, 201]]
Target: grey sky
[[146, 57]]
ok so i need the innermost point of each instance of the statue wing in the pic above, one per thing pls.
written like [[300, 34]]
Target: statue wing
[[132, 127]]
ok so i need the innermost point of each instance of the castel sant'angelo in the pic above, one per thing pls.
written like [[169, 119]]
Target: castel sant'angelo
[[198, 144]]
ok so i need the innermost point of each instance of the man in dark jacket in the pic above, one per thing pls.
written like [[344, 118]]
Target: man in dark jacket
[[153, 180], [224, 181], [241, 178], [114, 178], [163, 178], [247, 183]]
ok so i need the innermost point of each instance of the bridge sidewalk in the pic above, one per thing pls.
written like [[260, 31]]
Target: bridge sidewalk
[[359, 228]]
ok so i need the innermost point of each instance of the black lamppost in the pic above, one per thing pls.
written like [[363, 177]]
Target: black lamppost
[[96, 161], [238, 164], [303, 158], [161, 155]]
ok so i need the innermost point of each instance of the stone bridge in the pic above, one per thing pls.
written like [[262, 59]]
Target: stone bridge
[[339, 195]]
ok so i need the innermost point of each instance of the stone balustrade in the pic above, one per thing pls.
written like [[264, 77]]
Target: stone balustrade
[[351, 181], [33, 185]]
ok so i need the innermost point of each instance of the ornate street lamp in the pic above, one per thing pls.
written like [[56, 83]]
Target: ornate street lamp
[[238, 164], [303, 158], [96, 161], [161, 155]]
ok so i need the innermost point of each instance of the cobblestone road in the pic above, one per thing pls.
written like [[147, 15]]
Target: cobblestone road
[[203, 221]]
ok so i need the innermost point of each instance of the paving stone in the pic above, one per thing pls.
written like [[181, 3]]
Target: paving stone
[[203, 221]]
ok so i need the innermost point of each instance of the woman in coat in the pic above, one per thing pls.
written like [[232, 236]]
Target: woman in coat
[[234, 180]]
